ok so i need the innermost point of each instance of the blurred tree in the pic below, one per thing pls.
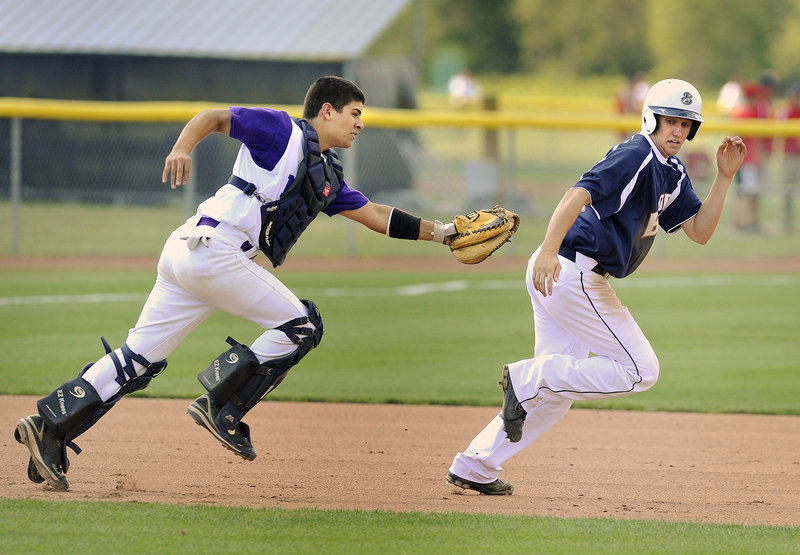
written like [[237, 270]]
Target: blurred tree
[[487, 31], [704, 42], [783, 54], [710, 40], [594, 37]]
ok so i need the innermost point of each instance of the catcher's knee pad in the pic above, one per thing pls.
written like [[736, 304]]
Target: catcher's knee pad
[[127, 377], [305, 336], [237, 381]]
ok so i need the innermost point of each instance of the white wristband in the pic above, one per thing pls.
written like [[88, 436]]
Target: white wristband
[[442, 231]]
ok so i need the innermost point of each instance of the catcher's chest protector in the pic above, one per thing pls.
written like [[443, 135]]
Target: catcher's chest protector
[[314, 187]]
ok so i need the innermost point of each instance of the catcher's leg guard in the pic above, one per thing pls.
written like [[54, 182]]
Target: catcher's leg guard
[[45, 434], [128, 380], [223, 378], [72, 409], [236, 382]]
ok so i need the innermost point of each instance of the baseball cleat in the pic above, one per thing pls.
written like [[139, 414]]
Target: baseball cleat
[[237, 439], [498, 487], [513, 413], [46, 452], [33, 474]]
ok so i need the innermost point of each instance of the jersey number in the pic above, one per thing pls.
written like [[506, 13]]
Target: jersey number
[[652, 226]]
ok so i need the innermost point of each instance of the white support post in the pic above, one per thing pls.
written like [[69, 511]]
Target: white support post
[[15, 175]]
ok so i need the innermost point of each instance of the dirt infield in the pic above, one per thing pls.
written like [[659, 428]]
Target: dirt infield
[[655, 466], [610, 464]]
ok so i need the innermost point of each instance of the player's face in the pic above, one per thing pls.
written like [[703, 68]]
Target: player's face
[[346, 124], [671, 134]]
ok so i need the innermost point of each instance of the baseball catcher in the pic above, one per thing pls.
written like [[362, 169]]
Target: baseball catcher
[[287, 173]]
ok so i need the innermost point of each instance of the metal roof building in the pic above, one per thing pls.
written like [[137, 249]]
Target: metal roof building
[[309, 30], [246, 51], [263, 52]]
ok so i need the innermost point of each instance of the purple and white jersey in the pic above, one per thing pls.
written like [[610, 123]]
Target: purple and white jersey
[[271, 151], [633, 190]]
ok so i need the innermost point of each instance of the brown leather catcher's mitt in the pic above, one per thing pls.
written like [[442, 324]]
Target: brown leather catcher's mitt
[[482, 232]]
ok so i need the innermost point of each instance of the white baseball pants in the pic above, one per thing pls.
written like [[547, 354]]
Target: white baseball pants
[[582, 316], [190, 286]]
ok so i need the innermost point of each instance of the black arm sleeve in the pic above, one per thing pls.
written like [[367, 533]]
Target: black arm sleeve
[[403, 225]]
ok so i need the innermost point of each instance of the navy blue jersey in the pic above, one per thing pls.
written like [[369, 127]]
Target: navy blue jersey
[[634, 189]]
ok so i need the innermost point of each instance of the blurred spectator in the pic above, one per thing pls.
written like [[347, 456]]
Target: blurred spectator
[[791, 154], [752, 178], [730, 96], [764, 97], [463, 89], [630, 97]]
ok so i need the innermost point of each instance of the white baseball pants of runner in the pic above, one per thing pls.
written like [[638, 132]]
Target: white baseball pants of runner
[[583, 316], [191, 285]]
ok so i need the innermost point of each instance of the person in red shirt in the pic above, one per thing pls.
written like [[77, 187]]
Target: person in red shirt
[[791, 154], [752, 174]]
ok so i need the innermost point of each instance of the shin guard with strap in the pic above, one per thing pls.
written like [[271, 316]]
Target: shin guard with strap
[[236, 380], [76, 406]]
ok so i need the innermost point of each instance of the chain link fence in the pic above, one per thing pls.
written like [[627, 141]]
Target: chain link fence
[[91, 182]]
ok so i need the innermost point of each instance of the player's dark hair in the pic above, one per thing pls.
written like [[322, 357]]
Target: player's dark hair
[[337, 91]]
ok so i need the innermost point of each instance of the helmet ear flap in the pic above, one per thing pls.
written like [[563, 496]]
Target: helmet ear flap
[[649, 121], [693, 130]]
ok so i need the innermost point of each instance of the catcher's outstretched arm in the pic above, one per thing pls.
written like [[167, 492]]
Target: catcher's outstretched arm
[[398, 224]]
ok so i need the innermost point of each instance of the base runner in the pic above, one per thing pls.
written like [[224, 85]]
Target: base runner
[[604, 226]]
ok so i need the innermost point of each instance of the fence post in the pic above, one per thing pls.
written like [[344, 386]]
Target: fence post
[[349, 158], [15, 170], [507, 184]]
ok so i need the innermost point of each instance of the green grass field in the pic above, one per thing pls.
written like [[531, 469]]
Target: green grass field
[[169, 529], [726, 342]]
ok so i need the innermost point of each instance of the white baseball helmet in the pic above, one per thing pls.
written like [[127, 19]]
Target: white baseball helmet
[[672, 97]]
